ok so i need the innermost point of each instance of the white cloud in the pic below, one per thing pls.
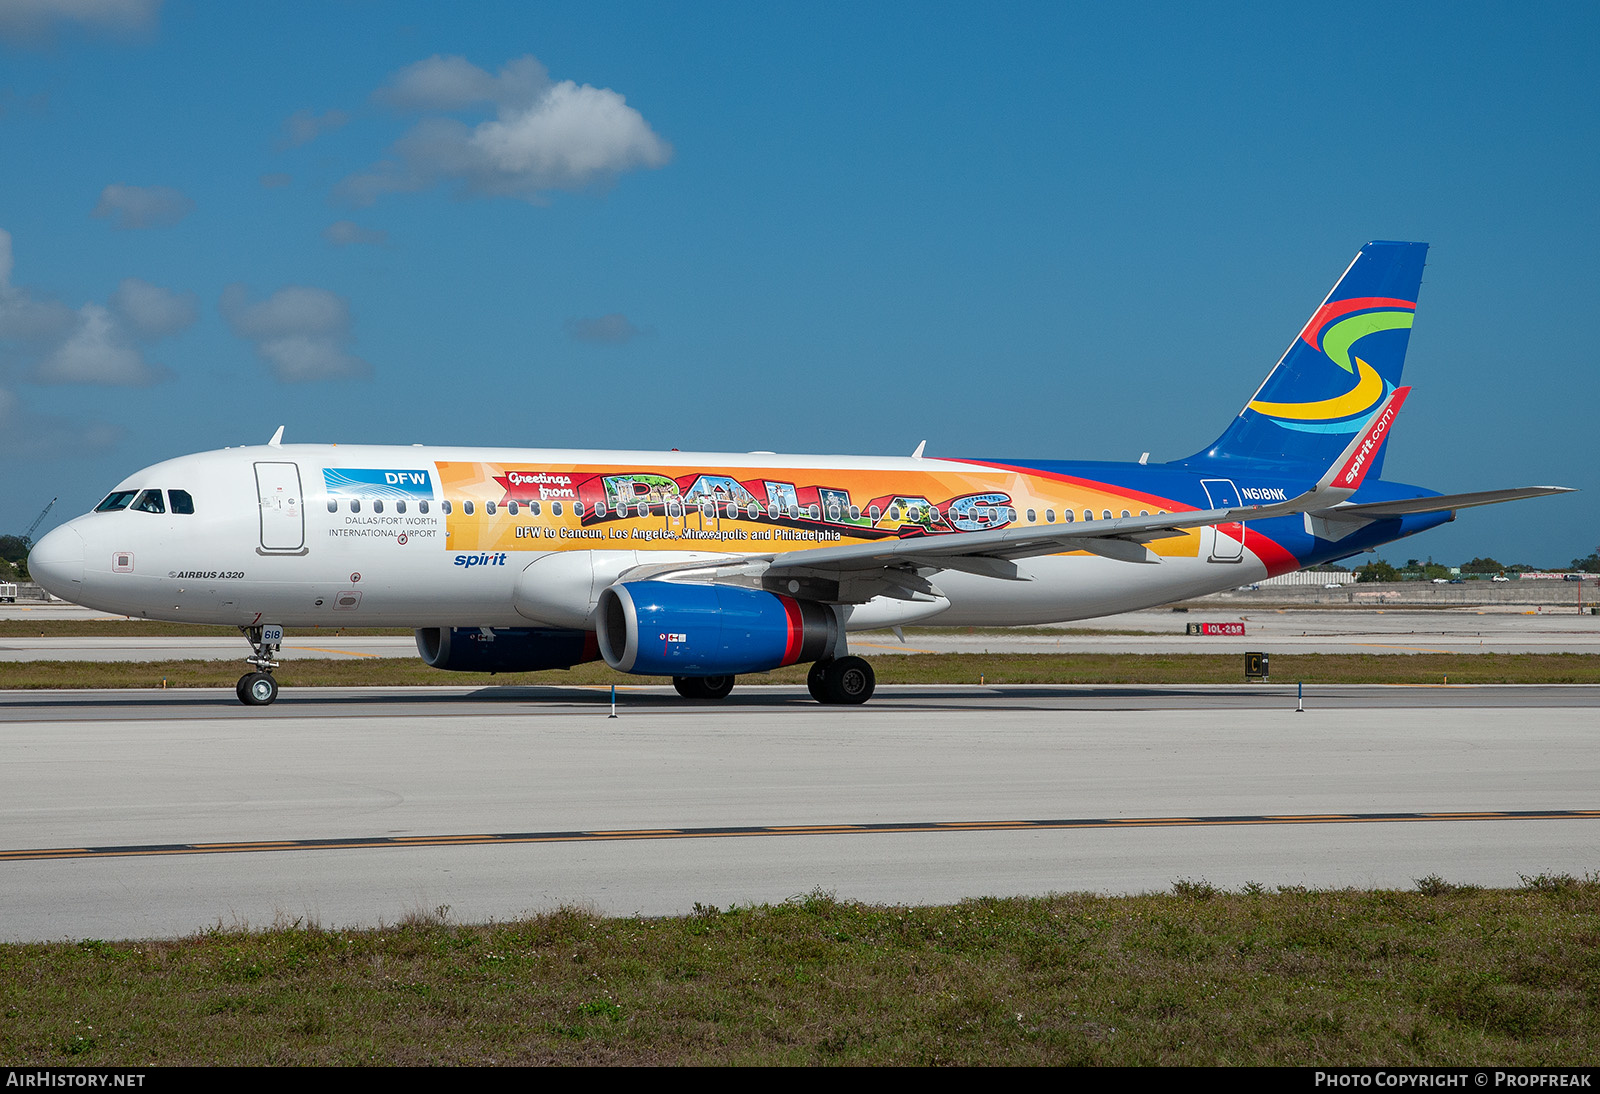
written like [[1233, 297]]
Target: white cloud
[[451, 83], [98, 351], [561, 136], [23, 318], [152, 311], [299, 331], [613, 329], [303, 127], [33, 20], [342, 233], [95, 344], [143, 206]]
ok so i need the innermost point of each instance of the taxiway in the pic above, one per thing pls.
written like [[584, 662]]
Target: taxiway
[[138, 814]]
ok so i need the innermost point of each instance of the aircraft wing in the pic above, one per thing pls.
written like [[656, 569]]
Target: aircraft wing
[[1124, 538], [859, 571]]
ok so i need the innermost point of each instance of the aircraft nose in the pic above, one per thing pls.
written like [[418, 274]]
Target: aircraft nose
[[56, 562]]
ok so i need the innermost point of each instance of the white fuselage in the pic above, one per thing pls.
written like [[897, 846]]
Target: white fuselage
[[329, 536]]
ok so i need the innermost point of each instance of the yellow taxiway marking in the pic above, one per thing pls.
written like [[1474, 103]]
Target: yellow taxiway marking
[[480, 839]]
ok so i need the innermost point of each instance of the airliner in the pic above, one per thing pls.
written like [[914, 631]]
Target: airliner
[[705, 566]]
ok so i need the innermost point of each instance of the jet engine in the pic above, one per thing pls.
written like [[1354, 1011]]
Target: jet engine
[[665, 628], [504, 649]]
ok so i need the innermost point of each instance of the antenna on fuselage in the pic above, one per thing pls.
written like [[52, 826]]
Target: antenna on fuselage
[[277, 439]]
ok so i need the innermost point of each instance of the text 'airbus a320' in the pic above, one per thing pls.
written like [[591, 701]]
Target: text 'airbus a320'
[[703, 566]]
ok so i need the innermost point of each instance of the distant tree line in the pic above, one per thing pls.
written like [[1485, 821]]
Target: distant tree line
[[13, 558], [1413, 570]]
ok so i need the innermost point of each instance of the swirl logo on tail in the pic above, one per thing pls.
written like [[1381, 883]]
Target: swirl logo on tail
[[1334, 330]]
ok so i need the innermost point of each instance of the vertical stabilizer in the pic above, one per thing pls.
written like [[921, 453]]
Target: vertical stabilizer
[[1345, 362]]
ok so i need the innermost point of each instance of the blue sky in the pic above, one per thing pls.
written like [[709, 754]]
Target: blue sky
[[1055, 231]]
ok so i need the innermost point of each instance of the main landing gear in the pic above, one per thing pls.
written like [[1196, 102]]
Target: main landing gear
[[847, 681], [257, 689]]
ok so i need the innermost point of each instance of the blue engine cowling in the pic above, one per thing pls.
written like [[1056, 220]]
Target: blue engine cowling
[[504, 649], [663, 628]]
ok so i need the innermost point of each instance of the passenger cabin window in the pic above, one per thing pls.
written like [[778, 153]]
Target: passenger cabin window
[[116, 500], [511, 507], [555, 509], [466, 507], [577, 508], [355, 505], [489, 508], [1032, 516], [855, 512], [333, 505], [1066, 515], [1050, 516], [446, 506], [149, 501], [535, 508], [1088, 514], [377, 506], [1106, 515], [399, 507], [422, 507], [1125, 513]]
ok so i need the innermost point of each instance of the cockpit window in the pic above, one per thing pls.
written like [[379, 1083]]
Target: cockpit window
[[181, 501], [149, 501], [117, 499]]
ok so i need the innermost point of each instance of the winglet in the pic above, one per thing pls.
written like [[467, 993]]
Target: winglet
[[277, 439], [1357, 459], [917, 455]]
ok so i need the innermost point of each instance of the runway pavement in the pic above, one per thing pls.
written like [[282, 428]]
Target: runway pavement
[[139, 814]]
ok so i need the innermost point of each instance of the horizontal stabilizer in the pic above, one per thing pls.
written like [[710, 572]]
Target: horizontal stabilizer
[[1441, 503]]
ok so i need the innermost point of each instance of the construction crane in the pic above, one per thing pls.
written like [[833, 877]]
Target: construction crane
[[27, 537]]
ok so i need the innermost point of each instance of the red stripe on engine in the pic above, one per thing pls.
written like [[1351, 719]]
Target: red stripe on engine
[[797, 629]]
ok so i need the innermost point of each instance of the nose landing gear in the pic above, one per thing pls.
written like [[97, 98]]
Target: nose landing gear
[[258, 688]]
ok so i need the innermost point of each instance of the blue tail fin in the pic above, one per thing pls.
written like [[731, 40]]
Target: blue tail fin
[[1345, 362]]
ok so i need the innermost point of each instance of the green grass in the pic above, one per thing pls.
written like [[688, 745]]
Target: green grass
[[935, 668], [1443, 975]]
